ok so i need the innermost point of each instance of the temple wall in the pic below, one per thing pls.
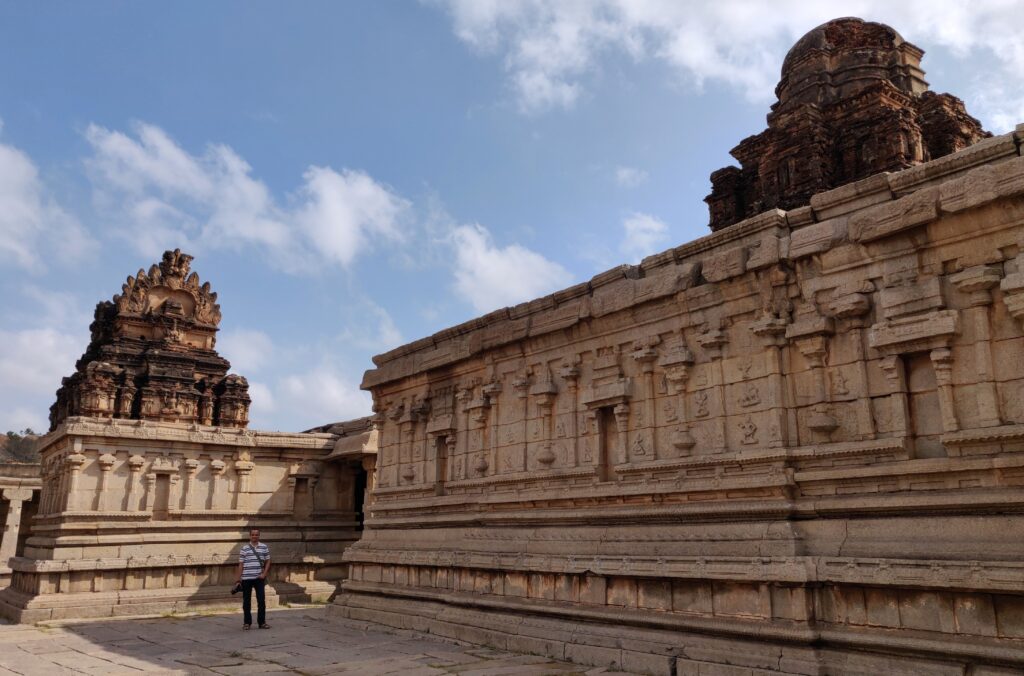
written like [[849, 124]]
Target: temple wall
[[793, 446], [148, 517], [19, 497]]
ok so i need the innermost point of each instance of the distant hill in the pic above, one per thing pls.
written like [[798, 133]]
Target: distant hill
[[19, 447]]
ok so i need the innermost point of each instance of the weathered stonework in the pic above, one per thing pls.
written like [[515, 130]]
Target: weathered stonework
[[852, 103], [794, 446], [19, 500], [152, 355], [144, 503]]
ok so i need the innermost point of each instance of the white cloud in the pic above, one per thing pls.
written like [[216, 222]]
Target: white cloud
[[31, 221], [262, 400], [629, 177], [490, 277], [551, 49], [644, 235], [247, 349], [32, 364], [321, 396], [370, 328], [168, 197]]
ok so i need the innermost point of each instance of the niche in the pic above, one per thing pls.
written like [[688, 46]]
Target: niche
[[161, 496], [925, 413]]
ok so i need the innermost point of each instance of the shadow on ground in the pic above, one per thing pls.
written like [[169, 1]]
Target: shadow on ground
[[300, 641]]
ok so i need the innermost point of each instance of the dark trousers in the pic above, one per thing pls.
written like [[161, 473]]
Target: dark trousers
[[261, 601]]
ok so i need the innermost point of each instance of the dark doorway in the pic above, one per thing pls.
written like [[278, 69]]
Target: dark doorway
[[359, 495]]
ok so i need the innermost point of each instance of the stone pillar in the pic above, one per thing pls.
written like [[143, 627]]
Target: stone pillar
[[677, 362], [74, 463], [645, 353], [217, 468], [370, 467], [544, 392], [772, 332], [977, 282], [571, 375], [243, 467], [462, 463], [9, 542], [942, 360], [899, 411], [134, 469], [850, 309], [106, 462], [191, 468], [9, 539], [621, 412], [490, 393], [521, 385], [713, 340]]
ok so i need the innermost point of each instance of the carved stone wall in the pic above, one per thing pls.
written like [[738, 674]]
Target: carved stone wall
[[145, 517], [852, 102], [150, 480], [19, 500], [795, 445]]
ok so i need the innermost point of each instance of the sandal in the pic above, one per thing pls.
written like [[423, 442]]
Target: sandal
[[246, 627], [264, 626]]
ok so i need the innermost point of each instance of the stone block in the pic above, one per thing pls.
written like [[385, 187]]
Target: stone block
[[536, 646], [654, 594], [646, 663], [975, 614], [883, 607], [816, 238], [542, 586], [593, 590], [737, 599], [597, 656], [890, 218], [692, 597], [516, 584], [722, 266], [622, 592], [927, 611], [1010, 615], [921, 296]]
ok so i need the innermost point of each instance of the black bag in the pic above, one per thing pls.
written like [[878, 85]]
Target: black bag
[[237, 588]]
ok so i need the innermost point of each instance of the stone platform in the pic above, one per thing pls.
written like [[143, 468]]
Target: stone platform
[[300, 641]]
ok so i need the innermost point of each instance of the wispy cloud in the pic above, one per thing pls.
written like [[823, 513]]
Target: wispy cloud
[[489, 276], [629, 177], [644, 235], [551, 50], [33, 226], [165, 196]]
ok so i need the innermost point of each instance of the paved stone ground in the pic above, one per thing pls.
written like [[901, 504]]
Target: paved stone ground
[[300, 641]]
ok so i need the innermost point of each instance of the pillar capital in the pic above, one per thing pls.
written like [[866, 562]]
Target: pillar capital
[[17, 494]]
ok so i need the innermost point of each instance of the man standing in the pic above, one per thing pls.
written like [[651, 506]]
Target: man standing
[[253, 566]]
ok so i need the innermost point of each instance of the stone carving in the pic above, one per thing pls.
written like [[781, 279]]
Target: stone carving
[[852, 103], [151, 355], [749, 430]]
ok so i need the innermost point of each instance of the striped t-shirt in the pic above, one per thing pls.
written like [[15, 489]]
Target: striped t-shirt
[[251, 566]]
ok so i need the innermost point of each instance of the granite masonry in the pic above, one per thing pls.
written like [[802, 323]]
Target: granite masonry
[[150, 477], [19, 500], [794, 446]]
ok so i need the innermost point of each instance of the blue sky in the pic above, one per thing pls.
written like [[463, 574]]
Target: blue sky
[[352, 176]]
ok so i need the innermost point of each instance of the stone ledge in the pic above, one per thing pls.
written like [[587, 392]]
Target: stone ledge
[[979, 575], [659, 631]]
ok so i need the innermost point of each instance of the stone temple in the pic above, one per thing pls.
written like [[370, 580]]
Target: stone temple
[[793, 446]]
